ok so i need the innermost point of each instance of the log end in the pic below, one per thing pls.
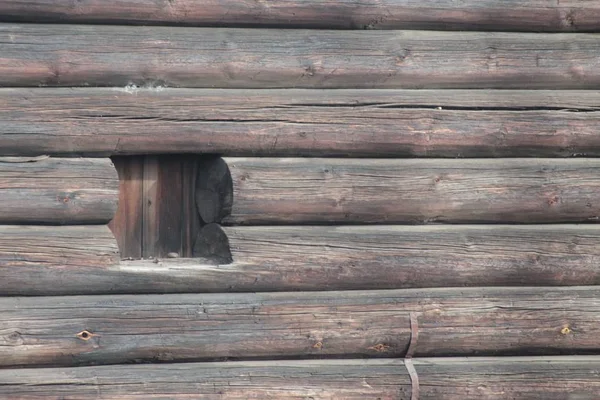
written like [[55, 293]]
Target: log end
[[214, 190], [212, 244]]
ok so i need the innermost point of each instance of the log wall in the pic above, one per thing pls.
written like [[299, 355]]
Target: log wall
[[461, 223]]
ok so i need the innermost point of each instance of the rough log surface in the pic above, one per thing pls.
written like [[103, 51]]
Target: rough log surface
[[57, 191], [371, 257], [337, 258], [292, 122], [517, 15], [77, 55], [335, 191], [41, 258], [529, 378], [78, 330]]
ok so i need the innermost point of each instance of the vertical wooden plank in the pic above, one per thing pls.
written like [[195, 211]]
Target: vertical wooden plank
[[169, 197], [127, 224], [190, 216], [150, 207]]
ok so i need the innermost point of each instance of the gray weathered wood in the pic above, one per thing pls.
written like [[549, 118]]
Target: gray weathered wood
[[376, 257], [551, 378], [337, 258], [291, 122], [42, 259], [518, 15], [335, 191], [76, 55], [77, 330], [57, 190]]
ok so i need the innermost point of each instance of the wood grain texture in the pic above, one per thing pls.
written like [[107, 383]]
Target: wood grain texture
[[343, 258], [79, 330], [127, 224], [517, 15], [530, 378], [337, 191], [190, 219], [41, 258], [376, 257], [308, 122], [77, 55], [57, 191]]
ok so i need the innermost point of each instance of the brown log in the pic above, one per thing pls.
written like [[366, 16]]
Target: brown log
[[292, 122], [80, 330], [40, 258], [78, 55], [516, 15], [338, 191], [57, 191], [551, 378]]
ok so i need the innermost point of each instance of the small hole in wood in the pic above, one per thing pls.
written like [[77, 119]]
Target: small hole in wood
[[85, 335]]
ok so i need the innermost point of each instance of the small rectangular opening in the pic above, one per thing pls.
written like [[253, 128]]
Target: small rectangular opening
[[157, 214]]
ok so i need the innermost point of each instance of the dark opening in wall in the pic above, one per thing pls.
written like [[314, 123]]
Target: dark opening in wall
[[157, 214]]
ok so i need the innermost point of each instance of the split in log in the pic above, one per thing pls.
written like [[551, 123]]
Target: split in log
[[42, 258], [514, 15], [334, 191], [300, 122], [78, 55], [80, 330], [549, 378], [46, 190]]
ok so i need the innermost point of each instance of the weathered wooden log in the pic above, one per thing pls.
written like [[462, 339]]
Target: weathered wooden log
[[337, 258], [371, 257], [57, 190], [334, 191], [76, 55], [551, 378], [40, 258], [79, 330], [292, 122], [517, 15]]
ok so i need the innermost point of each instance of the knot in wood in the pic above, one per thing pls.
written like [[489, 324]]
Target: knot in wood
[[85, 335]]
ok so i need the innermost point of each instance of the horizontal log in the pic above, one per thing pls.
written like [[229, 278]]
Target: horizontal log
[[293, 122], [78, 55], [517, 15], [335, 191], [376, 257], [57, 191], [80, 330], [328, 258], [37, 259], [551, 378]]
